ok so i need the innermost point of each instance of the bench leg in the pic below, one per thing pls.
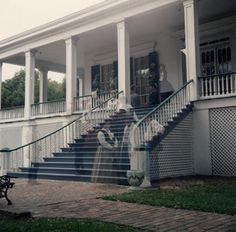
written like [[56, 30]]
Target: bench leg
[[8, 200], [4, 194]]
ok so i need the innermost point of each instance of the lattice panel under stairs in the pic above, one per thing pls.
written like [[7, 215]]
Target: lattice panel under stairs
[[223, 141], [174, 155]]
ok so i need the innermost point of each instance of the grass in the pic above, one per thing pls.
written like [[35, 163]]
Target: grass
[[219, 197], [9, 224]]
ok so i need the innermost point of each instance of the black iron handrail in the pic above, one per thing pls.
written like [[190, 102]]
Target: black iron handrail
[[162, 103]]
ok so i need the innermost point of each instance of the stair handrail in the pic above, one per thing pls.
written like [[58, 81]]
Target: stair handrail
[[140, 128], [75, 128], [43, 137]]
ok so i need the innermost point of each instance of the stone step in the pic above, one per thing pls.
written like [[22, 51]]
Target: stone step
[[70, 177], [75, 171], [81, 165], [79, 159], [78, 154]]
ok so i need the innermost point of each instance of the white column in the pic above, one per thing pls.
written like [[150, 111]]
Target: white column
[[71, 73], [0, 85], [192, 44], [43, 85], [123, 59], [27, 137], [29, 82], [81, 85]]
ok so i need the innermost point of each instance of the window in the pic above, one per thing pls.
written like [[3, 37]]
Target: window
[[141, 78], [216, 57], [106, 74]]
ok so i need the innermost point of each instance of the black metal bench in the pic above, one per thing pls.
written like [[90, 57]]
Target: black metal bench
[[5, 184]]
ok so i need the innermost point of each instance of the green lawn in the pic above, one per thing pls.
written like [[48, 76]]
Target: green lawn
[[219, 197], [8, 224]]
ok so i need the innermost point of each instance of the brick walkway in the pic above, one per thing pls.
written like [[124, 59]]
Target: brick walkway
[[76, 200]]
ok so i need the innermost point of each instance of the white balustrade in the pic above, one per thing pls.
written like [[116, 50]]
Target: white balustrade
[[86, 103], [163, 114], [83, 103], [12, 113], [27, 155], [47, 108], [217, 85]]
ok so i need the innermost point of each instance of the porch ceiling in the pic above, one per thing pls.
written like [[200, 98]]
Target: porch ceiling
[[144, 26]]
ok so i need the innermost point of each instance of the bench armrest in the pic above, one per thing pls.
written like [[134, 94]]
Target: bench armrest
[[5, 179]]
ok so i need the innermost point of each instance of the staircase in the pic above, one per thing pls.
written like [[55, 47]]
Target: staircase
[[76, 159], [76, 162]]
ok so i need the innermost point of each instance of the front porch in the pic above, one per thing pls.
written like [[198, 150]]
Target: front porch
[[130, 54], [210, 87]]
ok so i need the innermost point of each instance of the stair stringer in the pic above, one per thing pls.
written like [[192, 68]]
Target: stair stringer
[[171, 154]]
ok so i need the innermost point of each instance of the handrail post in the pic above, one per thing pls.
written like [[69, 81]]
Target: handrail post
[[146, 165], [4, 162]]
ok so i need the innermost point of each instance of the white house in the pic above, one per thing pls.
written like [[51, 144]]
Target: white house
[[117, 44]]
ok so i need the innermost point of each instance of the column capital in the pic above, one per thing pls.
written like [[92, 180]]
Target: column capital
[[71, 39], [31, 52], [188, 3], [120, 23], [43, 69]]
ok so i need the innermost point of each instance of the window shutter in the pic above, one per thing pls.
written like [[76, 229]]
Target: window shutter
[[154, 72], [95, 74], [131, 71], [114, 80], [154, 64]]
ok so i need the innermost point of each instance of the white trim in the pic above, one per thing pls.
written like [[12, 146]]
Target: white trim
[[135, 51]]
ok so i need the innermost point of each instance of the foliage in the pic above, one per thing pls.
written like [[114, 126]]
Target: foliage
[[219, 197], [13, 90], [59, 225]]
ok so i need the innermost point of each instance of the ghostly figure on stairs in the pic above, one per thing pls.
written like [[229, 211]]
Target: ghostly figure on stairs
[[103, 159], [153, 128]]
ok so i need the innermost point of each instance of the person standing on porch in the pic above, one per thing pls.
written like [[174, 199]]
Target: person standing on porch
[[154, 95], [135, 100], [166, 89]]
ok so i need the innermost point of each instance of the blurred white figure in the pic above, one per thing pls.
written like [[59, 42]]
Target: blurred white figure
[[122, 105], [127, 134], [153, 128], [113, 103]]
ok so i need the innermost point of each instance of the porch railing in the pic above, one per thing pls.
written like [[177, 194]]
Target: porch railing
[[217, 85], [23, 156], [163, 114], [46, 108], [85, 103], [12, 113]]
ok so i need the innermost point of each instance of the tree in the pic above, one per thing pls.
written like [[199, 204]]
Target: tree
[[13, 90]]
